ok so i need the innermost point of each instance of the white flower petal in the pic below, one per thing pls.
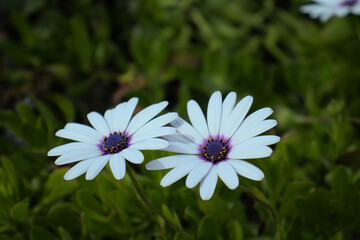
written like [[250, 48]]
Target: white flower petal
[[151, 144], [326, 15], [96, 166], [179, 147], [125, 113], [208, 184], [356, 9], [246, 169], [118, 166], [263, 140], [249, 151], [178, 172], [237, 116], [144, 116], [256, 117], [197, 118], [132, 155], [198, 173], [214, 113], [109, 119], [227, 174], [99, 123], [342, 11], [244, 134], [157, 122], [120, 115], [78, 169], [78, 155], [77, 136], [157, 132], [227, 108], [84, 129], [177, 138], [69, 147], [186, 130], [170, 162]]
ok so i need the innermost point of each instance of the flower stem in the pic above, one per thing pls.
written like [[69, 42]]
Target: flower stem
[[148, 204], [252, 195]]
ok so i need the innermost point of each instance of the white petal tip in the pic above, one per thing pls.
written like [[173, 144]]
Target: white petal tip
[[206, 198], [151, 165], [260, 177], [163, 184], [277, 139], [190, 102], [249, 98], [163, 104], [233, 187], [268, 110], [91, 113], [216, 93], [68, 177], [268, 152], [50, 153], [58, 133], [57, 162]]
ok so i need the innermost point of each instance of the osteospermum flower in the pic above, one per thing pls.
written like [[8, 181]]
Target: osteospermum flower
[[213, 147], [114, 138], [325, 9]]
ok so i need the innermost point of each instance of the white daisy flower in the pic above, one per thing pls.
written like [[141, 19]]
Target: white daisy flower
[[114, 138], [325, 9], [213, 147]]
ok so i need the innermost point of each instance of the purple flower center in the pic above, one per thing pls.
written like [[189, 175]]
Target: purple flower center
[[115, 142], [349, 3], [215, 150]]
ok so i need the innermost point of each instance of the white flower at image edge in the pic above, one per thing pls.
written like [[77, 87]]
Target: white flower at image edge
[[114, 138], [213, 146], [325, 9]]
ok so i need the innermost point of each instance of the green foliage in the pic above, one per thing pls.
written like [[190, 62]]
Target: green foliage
[[60, 61]]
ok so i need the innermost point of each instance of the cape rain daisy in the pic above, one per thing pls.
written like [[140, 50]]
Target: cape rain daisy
[[114, 138], [213, 147]]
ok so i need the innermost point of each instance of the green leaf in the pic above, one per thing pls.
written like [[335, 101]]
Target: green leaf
[[183, 236], [10, 174], [39, 233], [338, 236], [26, 114], [259, 194], [64, 235], [207, 229], [10, 120], [235, 230], [20, 211], [293, 191], [35, 138], [90, 205], [56, 187], [65, 105], [65, 215], [320, 203], [46, 112], [171, 216]]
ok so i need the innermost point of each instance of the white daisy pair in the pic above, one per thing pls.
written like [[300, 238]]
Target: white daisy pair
[[209, 147], [325, 9]]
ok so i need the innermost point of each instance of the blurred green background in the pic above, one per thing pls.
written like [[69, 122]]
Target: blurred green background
[[60, 60]]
